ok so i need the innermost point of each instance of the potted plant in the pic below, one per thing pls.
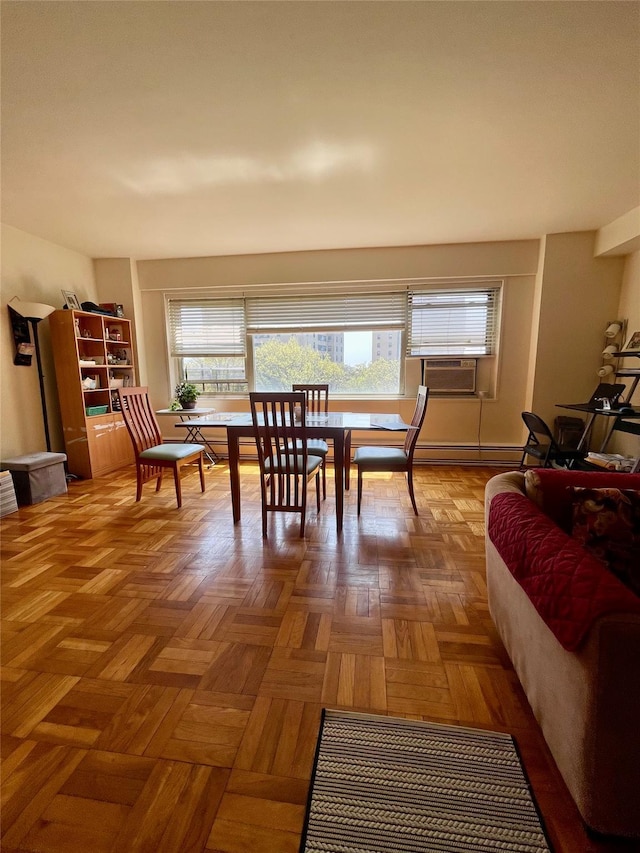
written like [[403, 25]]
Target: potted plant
[[186, 395]]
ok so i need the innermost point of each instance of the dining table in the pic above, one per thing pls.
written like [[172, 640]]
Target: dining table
[[191, 418], [332, 426]]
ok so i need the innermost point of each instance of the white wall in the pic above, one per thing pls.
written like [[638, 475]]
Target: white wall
[[117, 281], [36, 271], [579, 296], [541, 363], [449, 422], [629, 310]]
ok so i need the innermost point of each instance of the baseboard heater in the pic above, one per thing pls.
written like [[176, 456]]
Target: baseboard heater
[[515, 450]]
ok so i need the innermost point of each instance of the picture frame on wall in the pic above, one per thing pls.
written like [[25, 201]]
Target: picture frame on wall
[[72, 300], [634, 342]]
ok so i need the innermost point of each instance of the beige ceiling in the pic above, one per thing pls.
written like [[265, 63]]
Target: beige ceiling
[[176, 129]]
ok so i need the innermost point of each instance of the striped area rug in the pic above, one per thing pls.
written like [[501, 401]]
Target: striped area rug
[[386, 785]]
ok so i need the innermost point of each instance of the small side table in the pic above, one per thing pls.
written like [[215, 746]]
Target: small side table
[[194, 433]]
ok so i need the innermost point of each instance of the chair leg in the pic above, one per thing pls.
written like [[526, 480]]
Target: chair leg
[[359, 489], [303, 514], [201, 467], [176, 478], [159, 480], [324, 480], [138, 482], [263, 497], [318, 488], [411, 494]]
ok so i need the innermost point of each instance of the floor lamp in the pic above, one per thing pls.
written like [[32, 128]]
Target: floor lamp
[[34, 312]]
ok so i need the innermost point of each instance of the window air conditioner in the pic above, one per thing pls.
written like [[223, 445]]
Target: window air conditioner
[[450, 376]]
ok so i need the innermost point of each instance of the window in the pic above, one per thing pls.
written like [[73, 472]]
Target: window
[[209, 338], [356, 342], [460, 321], [329, 339]]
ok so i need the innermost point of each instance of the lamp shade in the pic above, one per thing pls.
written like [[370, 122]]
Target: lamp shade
[[31, 310]]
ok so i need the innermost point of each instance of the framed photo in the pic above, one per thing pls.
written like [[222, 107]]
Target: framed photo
[[72, 300], [634, 341]]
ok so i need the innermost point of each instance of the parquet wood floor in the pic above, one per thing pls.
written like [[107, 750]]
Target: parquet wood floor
[[163, 672]]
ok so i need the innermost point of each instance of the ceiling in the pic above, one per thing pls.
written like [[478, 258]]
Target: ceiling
[[179, 129]]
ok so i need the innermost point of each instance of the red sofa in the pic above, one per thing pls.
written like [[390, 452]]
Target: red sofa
[[572, 631]]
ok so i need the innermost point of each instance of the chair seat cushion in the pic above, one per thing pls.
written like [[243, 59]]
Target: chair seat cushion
[[170, 452], [280, 463], [316, 446], [380, 459]]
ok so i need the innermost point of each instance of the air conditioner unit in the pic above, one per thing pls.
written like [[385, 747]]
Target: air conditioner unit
[[450, 375]]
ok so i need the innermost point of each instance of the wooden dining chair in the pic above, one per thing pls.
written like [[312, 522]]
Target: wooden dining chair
[[152, 455], [394, 458], [317, 404], [286, 464]]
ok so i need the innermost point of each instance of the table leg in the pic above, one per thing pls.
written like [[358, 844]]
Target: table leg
[[234, 473], [586, 432], [607, 435], [339, 471], [195, 436], [347, 459]]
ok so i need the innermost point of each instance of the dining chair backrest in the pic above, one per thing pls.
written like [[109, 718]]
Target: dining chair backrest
[[139, 418], [318, 404], [279, 419], [286, 466], [153, 456], [317, 397], [417, 420]]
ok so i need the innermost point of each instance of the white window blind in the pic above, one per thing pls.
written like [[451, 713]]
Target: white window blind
[[207, 327], [331, 312], [453, 321]]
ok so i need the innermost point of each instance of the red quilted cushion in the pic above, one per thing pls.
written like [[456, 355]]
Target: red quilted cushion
[[568, 586], [607, 523], [549, 488]]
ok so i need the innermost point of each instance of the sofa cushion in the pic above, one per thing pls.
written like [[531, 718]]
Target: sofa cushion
[[569, 586], [549, 488], [607, 522]]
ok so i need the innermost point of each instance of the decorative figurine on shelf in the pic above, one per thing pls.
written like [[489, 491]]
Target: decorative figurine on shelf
[[186, 396]]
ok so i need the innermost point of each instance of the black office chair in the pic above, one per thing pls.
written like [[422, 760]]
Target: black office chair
[[542, 445]]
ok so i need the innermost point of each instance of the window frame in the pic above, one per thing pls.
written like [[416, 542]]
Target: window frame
[[336, 292]]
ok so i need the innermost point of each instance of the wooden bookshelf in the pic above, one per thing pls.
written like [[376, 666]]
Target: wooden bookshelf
[[93, 355]]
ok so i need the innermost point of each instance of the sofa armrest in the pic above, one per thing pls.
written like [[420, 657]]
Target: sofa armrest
[[510, 481]]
